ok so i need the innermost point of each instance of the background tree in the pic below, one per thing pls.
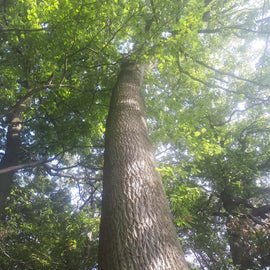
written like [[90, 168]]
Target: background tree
[[42, 230]]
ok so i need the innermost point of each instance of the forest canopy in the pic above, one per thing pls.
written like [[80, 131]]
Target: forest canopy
[[206, 91]]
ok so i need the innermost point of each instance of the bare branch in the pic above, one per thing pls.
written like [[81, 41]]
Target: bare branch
[[219, 30], [181, 70], [53, 172], [89, 198], [231, 74], [23, 166]]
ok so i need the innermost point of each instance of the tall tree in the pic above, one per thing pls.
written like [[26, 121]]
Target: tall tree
[[136, 226], [61, 59]]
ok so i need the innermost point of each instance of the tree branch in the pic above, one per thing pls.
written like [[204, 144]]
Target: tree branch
[[181, 70], [3, 30], [32, 92], [261, 211], [230, 74], [54, 172], [24, 98], [218, 30], [23, 166]]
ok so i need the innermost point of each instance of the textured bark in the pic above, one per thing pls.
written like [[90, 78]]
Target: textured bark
[[12, 154], [136, 229]]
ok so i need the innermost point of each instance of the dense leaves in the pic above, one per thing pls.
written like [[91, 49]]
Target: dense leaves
[[42, 231], [207, 101]]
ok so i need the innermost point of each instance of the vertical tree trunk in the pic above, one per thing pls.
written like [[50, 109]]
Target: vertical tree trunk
[[136, 231], [12, 154]]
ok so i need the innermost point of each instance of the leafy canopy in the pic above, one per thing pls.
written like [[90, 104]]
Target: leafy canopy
[[207, 101]]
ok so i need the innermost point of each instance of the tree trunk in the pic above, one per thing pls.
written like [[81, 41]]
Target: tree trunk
[[136, 231], [12, 154]]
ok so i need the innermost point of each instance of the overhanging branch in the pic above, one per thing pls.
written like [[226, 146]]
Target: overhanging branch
[[23, 166], [55, 172]]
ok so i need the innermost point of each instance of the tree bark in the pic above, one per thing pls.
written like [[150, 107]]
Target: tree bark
[[136, 229]]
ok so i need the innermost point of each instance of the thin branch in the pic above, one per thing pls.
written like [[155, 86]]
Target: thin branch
[[225, 73], [218, 30], [23, 166], [65, 69], [88, 199], [240, 111], [230, 74], [76, 165], [203, 82], [53, 172], [162, 152], [15, 260], [3, 30]]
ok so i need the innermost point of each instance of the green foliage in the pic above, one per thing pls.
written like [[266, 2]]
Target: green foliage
[[207, 101], [42, 230]]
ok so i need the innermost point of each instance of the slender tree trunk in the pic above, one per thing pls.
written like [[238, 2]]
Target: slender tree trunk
[[242, 260], [12, 154], [136, 231]]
